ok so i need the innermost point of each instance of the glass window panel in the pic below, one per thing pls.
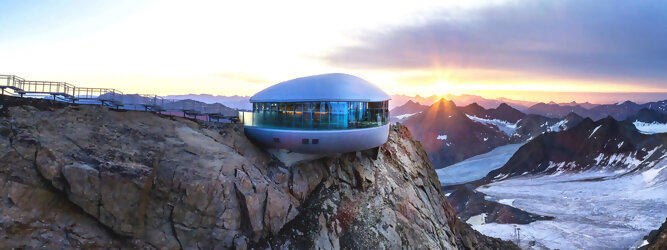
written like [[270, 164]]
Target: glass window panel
[[320, 115]]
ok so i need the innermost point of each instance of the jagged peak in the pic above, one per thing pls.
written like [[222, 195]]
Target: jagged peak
[[505, 106], [587, 122], [474, 105], [572, 115], [443, 101], [442, 106]]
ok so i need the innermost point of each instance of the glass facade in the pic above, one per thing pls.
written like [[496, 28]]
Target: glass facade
[[317, 115]]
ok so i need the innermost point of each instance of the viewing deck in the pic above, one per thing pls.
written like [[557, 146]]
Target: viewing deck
[[62, 91]]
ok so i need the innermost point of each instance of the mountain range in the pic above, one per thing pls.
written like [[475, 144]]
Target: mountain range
[[461, 100], [235, 101], [606, 170], [450, 133], [619, 111], [603, 144]]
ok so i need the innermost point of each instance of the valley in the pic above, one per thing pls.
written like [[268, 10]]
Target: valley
[[588, 213], [574, 183]]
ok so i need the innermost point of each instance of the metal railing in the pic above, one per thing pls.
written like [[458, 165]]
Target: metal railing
[[11, 84], [45, 87], [96, 94], [10, 81], [151, 100]]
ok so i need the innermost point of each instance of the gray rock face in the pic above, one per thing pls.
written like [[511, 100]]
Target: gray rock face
[[89, 177]]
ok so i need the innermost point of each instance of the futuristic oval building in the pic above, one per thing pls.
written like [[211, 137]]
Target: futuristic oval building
[[321, 114]]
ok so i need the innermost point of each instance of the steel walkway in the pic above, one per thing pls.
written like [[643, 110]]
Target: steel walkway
[[62, 91]]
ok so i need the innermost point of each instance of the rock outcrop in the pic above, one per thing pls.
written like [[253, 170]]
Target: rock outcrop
[[78, 176], [656, 239], [468, 203]]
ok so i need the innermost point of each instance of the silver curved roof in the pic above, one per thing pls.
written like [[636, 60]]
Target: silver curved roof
[[326, 87]]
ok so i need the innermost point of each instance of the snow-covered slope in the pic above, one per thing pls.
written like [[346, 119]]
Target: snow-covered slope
[[592, 210], [606, 144], [650, 128], [504, 126], [604, 183], [475, 168]]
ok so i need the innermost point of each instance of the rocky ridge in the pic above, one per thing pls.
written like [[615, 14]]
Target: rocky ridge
[[77, 176], [451, 134], [606, 144]]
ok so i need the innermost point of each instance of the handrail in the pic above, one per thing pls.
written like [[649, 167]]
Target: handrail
[[96, 93], [46, 87], [109, 96], [11, 81]]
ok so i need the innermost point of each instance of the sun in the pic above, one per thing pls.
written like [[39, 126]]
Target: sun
[[442, 86]]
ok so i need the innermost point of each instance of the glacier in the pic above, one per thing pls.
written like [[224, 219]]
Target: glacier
[[476, 167], [592, 210]]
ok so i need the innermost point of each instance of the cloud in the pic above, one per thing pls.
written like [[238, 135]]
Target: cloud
[[615, 39]]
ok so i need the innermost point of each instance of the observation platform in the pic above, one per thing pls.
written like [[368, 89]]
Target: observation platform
[[62, 91]]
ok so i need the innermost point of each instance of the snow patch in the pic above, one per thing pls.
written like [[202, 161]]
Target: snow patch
[[558, 126], [648, 176], [650, 128], [477, 220], [504, 126], [594, 130], [403, 116], [508, 202]]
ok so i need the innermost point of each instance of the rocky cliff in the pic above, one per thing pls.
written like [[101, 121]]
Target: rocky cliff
[[88, 177]]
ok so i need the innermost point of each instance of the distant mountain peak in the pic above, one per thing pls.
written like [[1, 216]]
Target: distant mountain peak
[[505, 106], [411, 102], [647, 115], [572, 115], [445, 102], [474, 105]]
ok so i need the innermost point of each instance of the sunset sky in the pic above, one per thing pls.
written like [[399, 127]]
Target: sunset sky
[[489, 48]]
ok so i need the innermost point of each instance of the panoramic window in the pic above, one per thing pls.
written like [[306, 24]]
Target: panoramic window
[[318, 115]]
